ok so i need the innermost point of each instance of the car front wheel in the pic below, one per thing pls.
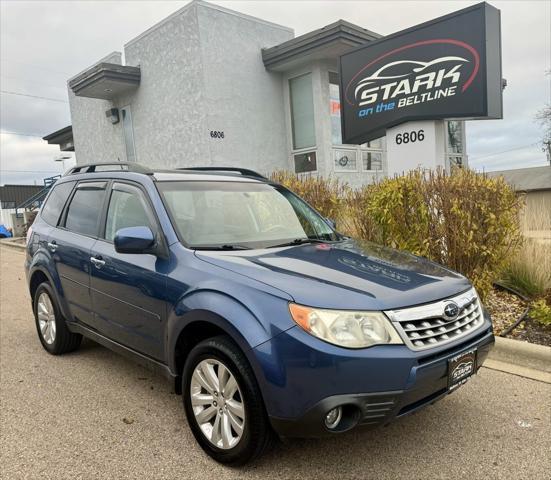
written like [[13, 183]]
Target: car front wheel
[[223, 403]]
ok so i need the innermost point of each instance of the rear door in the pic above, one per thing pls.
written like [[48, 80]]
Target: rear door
[[45, 225], [128, 290], [73, 241]]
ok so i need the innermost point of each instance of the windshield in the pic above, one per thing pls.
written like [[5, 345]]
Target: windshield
[[211, 214]]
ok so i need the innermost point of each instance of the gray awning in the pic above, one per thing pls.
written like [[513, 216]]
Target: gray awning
[[62, 137], [330, 42], [105, 81]]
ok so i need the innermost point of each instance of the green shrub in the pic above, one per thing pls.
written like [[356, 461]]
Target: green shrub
[[358, 221], [326, 195], [466, 221], [540, 311]]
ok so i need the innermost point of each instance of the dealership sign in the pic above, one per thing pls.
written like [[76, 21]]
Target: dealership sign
[[449, 67]]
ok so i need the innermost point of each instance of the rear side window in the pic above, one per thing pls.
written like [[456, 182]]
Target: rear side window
[[56, 200], [85, 208]]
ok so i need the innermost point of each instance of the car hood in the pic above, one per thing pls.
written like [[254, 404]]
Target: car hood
[[346, 275]]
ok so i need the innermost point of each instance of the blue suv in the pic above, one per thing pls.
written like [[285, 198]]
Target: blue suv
[[268, 321]]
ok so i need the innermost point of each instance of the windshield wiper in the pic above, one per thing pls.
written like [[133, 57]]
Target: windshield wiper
[[300, 241], [223, 247]]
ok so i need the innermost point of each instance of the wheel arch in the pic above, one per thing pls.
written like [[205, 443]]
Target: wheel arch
[[36, 278], [196, 326], [39, 274]]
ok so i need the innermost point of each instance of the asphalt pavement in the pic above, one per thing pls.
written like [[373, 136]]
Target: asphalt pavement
[[93, 414]]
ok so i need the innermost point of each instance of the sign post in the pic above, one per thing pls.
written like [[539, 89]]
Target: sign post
[[447, 68], [414, 145]]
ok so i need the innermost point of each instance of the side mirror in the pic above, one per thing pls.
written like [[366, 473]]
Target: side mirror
[[331, 223], [134, 240]]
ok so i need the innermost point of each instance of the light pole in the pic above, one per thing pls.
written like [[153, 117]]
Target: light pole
[[62, 159]]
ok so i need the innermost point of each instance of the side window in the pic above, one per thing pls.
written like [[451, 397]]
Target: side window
[[85, 209], [56, 200], [127, 208]]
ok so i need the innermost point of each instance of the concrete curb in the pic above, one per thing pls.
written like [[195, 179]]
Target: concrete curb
[[521, 358], [11, 243], [517, 370]]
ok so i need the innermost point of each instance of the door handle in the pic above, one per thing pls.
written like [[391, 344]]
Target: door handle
[[52, 246], [97, 262]]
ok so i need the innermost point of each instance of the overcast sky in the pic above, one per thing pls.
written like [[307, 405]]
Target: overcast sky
[[44, 42]]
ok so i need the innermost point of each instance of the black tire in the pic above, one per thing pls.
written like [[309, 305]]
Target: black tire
[[257, 436], [65, 341]]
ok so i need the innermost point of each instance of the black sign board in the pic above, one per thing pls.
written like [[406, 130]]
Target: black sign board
[[449, 67]]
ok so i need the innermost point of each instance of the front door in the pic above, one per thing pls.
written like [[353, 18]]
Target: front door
[[128, 290]]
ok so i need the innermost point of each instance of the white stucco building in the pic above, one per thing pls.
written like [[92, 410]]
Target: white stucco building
[[210, 86]]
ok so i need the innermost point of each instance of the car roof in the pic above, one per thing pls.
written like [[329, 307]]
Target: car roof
[[126, 170]]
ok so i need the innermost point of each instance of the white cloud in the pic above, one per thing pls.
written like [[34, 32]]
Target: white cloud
[[28, 159]]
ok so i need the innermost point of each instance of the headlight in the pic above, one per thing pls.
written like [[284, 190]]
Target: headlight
[[345, 328]]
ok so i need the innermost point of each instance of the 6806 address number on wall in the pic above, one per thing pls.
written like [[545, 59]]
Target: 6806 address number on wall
[[410, 137]]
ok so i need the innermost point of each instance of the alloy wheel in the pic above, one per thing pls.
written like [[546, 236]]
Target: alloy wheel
[[217, 403], [46, 318]]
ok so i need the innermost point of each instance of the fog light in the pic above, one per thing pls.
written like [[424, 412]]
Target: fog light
[[333, 418]]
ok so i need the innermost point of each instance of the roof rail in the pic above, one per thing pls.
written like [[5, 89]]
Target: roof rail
[[117, 166], [243, 171]]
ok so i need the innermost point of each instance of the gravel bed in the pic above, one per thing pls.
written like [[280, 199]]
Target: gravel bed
[[505, 308]]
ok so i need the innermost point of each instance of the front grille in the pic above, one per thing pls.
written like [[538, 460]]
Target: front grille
[[428, 326]]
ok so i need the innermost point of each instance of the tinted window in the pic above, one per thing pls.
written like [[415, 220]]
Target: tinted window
[[54, 204], [84, 211], [126, 209]]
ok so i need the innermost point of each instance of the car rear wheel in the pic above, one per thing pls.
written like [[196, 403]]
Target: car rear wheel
[[50, 324], [223, 403]]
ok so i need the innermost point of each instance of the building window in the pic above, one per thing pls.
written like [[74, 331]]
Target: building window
[[372, 160], [455, 137], [344, 160], [377, 144], [302, 111], [370, 153], [128, 132], [305, 162], [8, 205], [455, 144]]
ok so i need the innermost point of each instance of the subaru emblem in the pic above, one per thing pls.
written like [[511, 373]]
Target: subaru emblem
[[451, 311]]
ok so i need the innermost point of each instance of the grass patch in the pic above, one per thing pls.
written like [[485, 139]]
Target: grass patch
[[529, 272]]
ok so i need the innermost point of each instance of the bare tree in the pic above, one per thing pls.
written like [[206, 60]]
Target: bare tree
[[544, 118]]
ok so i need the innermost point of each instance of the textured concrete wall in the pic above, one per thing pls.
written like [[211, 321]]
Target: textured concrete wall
[[96, 140], [167, 108], [241, 98], [201, 70]]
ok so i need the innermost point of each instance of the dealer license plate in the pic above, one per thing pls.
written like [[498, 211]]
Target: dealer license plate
[[460, 368]]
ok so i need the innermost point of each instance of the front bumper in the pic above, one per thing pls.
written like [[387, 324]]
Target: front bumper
[[305, 378]]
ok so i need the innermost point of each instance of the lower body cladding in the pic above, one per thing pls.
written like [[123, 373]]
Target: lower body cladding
[[314, 389]]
